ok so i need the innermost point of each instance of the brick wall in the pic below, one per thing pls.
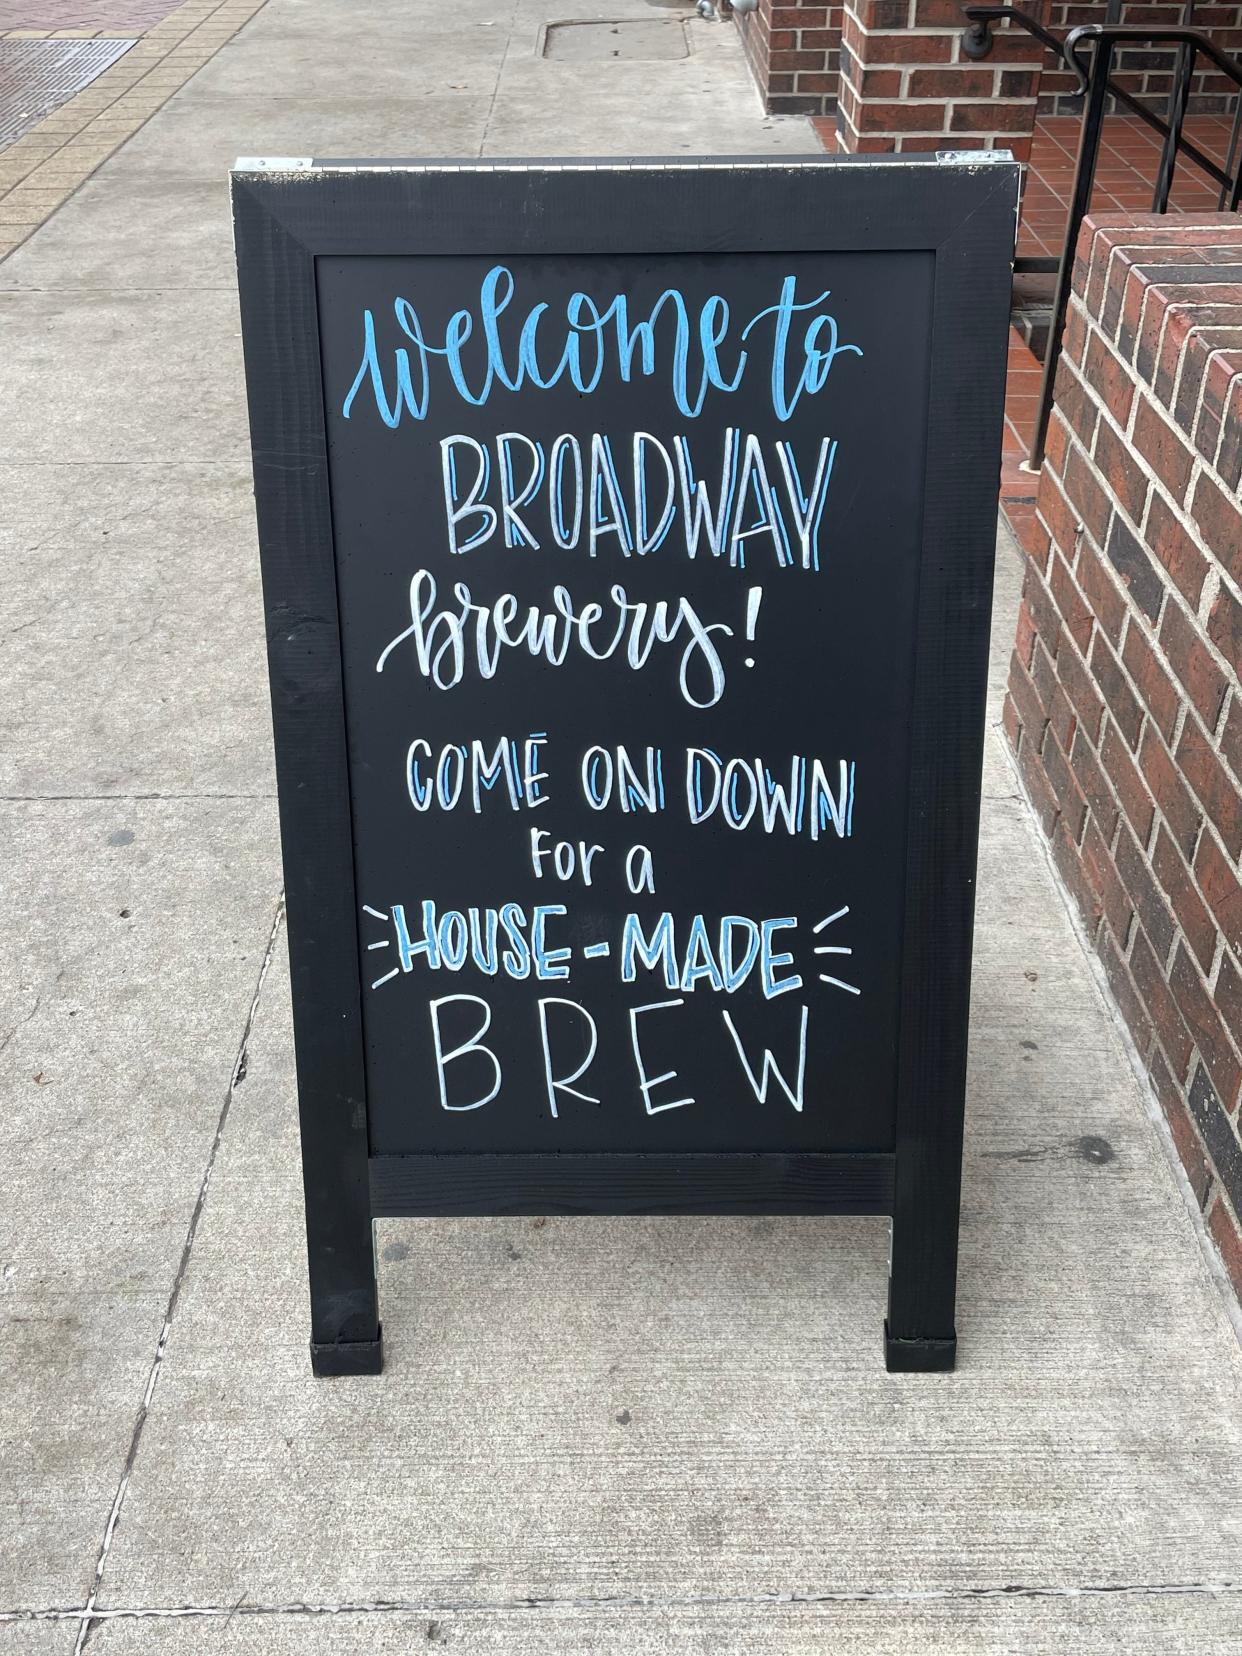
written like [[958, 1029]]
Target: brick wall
[[1124, 703], [794, 54], [906, 84], [1145, 71], [901, 51]]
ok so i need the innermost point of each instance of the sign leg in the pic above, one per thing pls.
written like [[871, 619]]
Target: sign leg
[[346, 1335], [919, 1332]]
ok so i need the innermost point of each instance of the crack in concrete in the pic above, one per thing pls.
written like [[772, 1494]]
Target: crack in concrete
[[89, 1614], [500, 75], [20, 1024]]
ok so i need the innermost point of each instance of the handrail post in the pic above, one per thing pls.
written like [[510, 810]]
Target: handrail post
[[1179, 98], [1084, 178]]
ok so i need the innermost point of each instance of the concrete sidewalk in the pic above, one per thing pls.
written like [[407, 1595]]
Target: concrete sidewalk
[[591, 1436]]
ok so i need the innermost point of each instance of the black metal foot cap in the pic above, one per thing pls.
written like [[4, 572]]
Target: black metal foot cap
[[348, 1357], [918, 1356]]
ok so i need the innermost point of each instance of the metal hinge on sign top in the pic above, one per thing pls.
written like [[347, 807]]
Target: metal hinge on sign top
[[972, 158], [272, 163]]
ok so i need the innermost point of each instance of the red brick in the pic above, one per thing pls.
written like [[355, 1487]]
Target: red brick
[[1031, 710], [1150, 904], [1122, 471], [930, 13], [1129, 319], [1024, 640], [1122, 703], [1095, 785], [1043, 608], [1206, 1026], [1221, 522], [1218, 881], [1174, 877], [880, 83], [1017, 83], [1011, 722], [1231, 736], [1101, 592], [1222, 369], [903, 117], [1192, 661], [1070, 801], [1177, 806], [1185, 1137], [1225, 628], [1043, 674], [1062, 718], [1072, 606], [990, 117], [1074, 877], [1229, 998], [1170, 1026], [806, 60], [1124, 992], [910, 48], [1043, 800], [1201, 348], [1175, 549], [800, 17], [952, 81], [1075, 405], [1151, 325], [1058, 516], [1212, 783], [1101, 871], [1080, 687], [1156, 689], [1138, 570], [1224, 1231], [1229, 455], [1163, 447], [1127, 783], [1075, 336], [1085, 494], [1108, 379]]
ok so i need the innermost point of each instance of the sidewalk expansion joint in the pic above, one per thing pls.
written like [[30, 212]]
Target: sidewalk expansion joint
[[611, 1602], [132, 798], [88, 1615]]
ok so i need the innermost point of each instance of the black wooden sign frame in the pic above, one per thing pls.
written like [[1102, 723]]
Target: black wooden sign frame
[[961, 208]]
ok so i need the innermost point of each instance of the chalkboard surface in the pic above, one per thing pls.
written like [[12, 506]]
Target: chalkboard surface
[[626, 542], [731, 776]]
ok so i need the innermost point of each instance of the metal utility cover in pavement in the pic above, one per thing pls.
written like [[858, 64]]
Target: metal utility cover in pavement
[[638, 41], [37, 76]]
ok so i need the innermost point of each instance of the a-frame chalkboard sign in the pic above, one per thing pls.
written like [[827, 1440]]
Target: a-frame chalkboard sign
[[627, 534]]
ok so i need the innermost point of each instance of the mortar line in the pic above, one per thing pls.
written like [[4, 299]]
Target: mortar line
[[87, 1615], [533, 1603]]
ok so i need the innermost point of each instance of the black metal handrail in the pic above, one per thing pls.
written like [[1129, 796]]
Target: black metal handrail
[[1097, 87]]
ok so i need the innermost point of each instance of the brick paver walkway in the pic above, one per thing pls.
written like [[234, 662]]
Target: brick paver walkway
[[82, 17], [42, 169]]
